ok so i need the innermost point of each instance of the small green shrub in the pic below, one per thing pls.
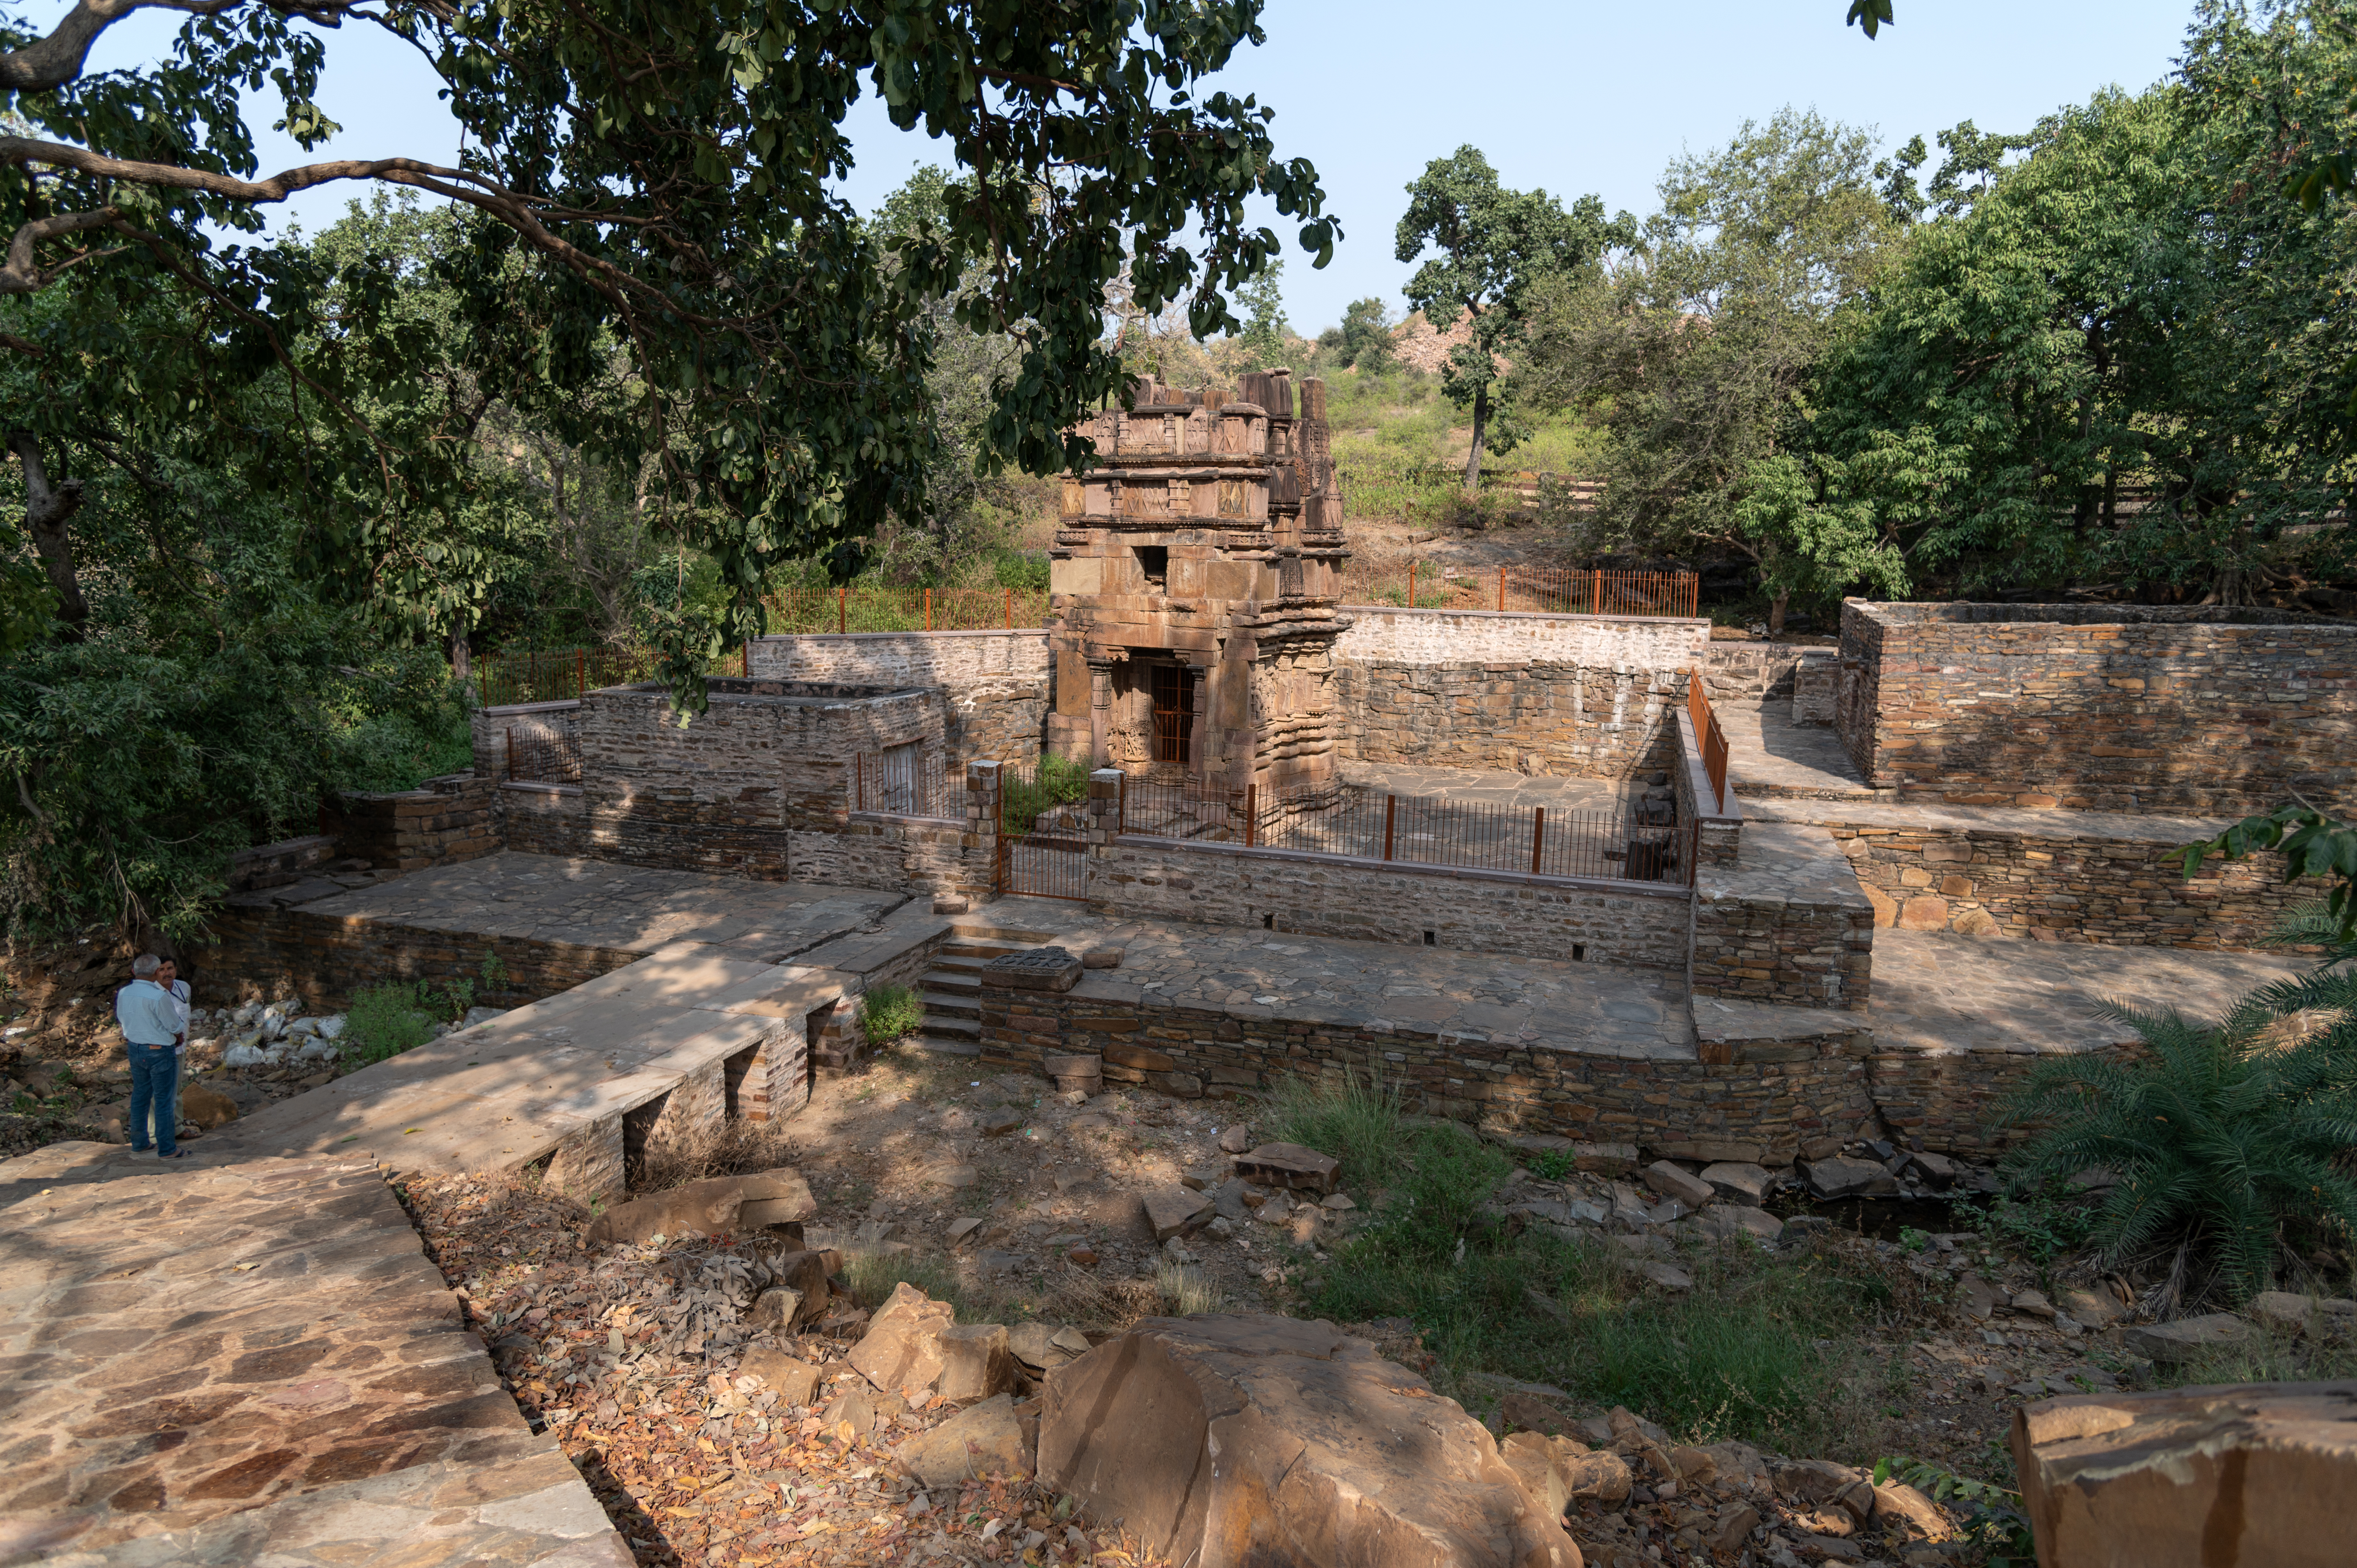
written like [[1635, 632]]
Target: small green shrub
[[1992, 1517], [1552, 1165], [1356, 1119], [386, 1020], [1058, 782], [891, 1011], [2228, 1140]]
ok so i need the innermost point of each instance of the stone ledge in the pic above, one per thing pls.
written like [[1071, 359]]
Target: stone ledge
[[1607, 886]]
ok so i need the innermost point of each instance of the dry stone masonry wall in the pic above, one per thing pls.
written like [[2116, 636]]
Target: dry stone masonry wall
[[2108, 707], [996, 681]]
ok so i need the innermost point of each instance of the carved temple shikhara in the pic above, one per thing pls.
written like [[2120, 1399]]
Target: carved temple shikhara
[[1193, 586]]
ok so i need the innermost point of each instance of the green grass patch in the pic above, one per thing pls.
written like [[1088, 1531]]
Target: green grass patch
[[1763, 1348], [386, 1020], [1354, 1116], [890, 1012]]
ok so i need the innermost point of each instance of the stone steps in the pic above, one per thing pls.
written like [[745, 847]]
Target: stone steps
[[950, 982], [951, 1003], [952, 991]]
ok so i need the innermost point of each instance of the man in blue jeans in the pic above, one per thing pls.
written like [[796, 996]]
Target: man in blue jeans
[[151, 1029]]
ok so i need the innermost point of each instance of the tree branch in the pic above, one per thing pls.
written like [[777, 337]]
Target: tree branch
[[53, 61], [19, 274], [47, 509]]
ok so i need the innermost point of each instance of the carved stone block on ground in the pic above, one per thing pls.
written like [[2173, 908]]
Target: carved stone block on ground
[[2250, 1473], [985, 1440], [1326, 1454], [976, 1362], [1290, 1165], [902, 1348]]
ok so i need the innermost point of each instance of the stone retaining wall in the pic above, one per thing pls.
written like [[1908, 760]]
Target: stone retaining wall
[[998, 683], [1382, 636], [267, 954], [277, 865], [2066, 888], [2111, 707], [495, 729], [448, 818], [1597, 921], [1789, 926], [1518, 716], [1819, 1089]]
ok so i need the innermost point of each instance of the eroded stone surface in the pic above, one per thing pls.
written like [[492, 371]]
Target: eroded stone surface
[[254, 1361], [1326, 1454], [2254, 1473]]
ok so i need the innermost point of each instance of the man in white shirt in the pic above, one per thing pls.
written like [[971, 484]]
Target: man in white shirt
[[151, 1029]]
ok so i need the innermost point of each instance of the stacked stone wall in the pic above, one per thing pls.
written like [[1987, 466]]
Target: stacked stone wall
[[1381, 636], [1524, 717], [2066, 888], [447, 820], [268, 953], [545, 819], [2110, 707], [998, 683], [1794, 951], [1820, 1090], [516, 724], [1597, 921]]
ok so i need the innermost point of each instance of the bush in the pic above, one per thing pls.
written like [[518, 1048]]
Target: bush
[[2228, 1140], [1058, 782], [891, 1011], [386, 1020]]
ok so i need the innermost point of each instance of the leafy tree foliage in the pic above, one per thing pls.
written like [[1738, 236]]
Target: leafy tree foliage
[[658, 179], [1363, 340], [2228, 1140], [1695, 353], [1497, 252], [1264, 331]]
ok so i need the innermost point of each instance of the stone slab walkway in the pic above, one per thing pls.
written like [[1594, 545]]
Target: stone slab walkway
[[1768, 754], [1941, 992], [2119, 826], [505, 1093], [595, 903], [1589, 1008], [254, 1362]]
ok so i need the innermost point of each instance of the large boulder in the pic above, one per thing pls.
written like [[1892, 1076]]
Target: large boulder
[[902, 1351], [709, 1208], [1237, 1439], [2249, 1474]]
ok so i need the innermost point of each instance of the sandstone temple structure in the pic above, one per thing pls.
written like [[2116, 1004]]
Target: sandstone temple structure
[[1195, 577]]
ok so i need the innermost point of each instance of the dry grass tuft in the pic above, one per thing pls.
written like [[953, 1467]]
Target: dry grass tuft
[[735, 1147]]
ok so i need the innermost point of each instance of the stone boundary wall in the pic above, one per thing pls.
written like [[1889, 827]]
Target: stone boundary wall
[[1518, 717], [998, 682], [449, 819], [271, 953], [1755, 672], [526, 721], [277, 865], [1643, 925], [1789, 926], [2061, 886], [1717, 830], [2101, 707], [1378, 635], [1820, 1091], [723, 795]]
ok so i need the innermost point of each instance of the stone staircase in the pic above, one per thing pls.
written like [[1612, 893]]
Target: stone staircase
[[951, 991]]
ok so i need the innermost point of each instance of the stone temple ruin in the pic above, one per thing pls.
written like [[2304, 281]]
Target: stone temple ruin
[[1599, 885], [1197, 566]]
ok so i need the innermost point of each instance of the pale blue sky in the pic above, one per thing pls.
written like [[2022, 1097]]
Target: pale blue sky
[[1571, 96]]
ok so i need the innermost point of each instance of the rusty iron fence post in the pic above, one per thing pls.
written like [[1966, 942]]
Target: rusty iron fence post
[[1390, 809], [1538, 835], [1252, 815]]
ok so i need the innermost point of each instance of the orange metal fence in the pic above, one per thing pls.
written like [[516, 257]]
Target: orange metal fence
[[1546, 590], [843, 610], [1708, 733], [561, 674]]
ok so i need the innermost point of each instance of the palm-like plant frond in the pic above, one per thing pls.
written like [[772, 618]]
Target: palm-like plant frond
[[2231, 1139], [2311, 925]]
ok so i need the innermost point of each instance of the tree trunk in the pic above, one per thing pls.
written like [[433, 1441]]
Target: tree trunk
[[1473, 457], [47, 509], [462, 654], [1776, 613]]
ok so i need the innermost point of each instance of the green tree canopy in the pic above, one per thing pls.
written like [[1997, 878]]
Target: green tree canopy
[[660, 179], [1497, 252]]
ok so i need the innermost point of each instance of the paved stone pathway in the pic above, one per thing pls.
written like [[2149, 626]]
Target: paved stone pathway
[[1591, 1008], [254, 1362], [595, 903], [1767, 753], [2127, 827], [1934, 991]]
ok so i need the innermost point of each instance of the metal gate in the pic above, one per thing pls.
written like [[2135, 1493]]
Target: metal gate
[[1041, 851]]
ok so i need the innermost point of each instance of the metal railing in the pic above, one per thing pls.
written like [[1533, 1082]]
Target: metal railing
[[894, 782], [1541, 590], [543, 758], [563, 674], [1709, 737], [1366, 824], [846, 610]]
